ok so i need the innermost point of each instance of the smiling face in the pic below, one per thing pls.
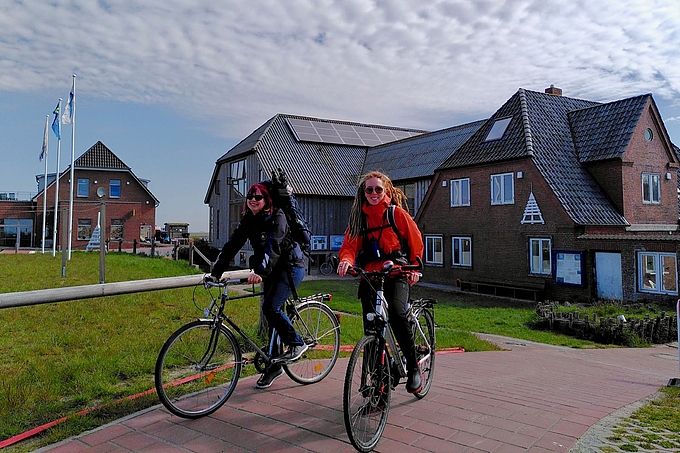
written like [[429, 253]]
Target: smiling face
[[374, 191], [255, 201]]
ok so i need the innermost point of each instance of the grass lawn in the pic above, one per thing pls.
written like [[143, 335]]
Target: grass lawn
[[62, 358]]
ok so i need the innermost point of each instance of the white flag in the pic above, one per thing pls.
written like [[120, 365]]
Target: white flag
[[67, 116]]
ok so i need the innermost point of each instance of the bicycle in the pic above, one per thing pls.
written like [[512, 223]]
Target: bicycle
[[329, 265], [200, 363], [377, 366]]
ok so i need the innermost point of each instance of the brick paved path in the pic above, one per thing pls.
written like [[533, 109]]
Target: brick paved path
[[530, 398]]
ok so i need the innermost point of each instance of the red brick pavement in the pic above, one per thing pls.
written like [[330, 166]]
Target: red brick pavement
[[529, 398]]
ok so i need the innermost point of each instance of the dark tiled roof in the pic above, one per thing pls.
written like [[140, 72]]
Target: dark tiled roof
[[318, 169], [604, 131], [99, 156], [418, 157], [540, 130]]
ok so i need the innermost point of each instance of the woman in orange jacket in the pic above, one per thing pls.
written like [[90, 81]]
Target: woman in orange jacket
[[369, 241]]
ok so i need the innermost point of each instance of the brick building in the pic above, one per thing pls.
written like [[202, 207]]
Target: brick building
[[100, 176]]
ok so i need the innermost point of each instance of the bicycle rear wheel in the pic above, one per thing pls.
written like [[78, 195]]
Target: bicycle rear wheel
[[319, 328], [424, 340], [197, 369], [366, 393]]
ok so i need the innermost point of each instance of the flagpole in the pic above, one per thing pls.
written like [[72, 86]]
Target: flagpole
[[44, 151], [56, 190], [73, 152]]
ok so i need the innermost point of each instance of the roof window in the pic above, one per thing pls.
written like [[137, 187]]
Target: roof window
[[498, 129]]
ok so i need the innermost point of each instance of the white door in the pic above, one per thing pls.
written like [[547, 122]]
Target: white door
[[608, 275]]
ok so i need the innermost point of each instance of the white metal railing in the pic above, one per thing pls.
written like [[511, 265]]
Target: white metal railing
[[45, 296]]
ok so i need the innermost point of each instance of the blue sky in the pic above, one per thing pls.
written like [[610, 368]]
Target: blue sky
[[171, 85]]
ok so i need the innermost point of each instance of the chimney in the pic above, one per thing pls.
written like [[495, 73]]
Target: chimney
[[553, 90]]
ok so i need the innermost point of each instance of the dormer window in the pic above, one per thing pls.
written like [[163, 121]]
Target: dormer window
[[498, 129]]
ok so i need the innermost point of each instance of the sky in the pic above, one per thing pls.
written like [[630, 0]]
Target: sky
[[171, 85]]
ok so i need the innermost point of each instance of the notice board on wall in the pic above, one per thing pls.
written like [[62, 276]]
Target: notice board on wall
[[568, 267]]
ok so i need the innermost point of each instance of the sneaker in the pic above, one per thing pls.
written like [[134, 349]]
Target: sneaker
[[292, 354], [268, 377], [415, 382]]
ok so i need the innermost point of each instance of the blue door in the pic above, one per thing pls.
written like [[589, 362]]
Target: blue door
[[608, 275]]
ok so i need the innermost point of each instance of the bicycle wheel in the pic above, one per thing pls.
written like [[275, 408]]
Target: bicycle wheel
[[326, 268], [366, 394], [318, 326], [424, 336], [197, 369]]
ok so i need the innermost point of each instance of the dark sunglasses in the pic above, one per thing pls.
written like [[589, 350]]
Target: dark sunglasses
[[256, 197], [369, 190]]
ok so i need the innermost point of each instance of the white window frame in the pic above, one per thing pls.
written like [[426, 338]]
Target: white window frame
[[238, 174], [113, 184], [651, 188], [461, 258], [650, 280], [537, 258], [499, 195], [434, 250], [460, 192], [84, 184]]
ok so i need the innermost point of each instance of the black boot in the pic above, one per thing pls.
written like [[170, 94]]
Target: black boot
[[415, 382]]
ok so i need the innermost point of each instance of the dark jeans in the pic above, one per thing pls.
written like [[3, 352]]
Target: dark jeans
[[276, 290], [397, 292]]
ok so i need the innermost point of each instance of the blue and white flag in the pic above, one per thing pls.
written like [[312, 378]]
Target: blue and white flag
[[44, 148], [67, 117], [56, 124]]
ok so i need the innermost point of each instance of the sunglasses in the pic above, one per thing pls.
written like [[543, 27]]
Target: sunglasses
[[252, 196], [369, 190]]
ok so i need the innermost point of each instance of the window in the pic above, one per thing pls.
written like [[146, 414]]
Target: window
[[217, 186], [409, 191], [83, 187], [497, 130], [460, 192], [649, 135], [539, 255], [84, 229], [116, 228], [461, 251], [114, 188], [238, 177], [651, 188], [434, 246], [657, 273], [502, 189]]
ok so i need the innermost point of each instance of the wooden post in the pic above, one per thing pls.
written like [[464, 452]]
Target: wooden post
[[134, 246]]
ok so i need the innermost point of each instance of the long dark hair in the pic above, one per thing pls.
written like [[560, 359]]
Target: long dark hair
[[268, 204], [396, 195]]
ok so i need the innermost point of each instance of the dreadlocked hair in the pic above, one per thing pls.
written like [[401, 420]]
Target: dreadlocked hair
[[397, 196]]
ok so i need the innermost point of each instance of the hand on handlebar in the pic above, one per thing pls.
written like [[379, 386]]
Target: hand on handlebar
[[344, 267]]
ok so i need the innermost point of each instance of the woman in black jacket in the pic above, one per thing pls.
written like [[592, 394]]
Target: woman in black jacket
[[277, 262]]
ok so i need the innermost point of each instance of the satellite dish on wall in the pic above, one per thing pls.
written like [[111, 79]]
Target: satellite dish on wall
[[101, 192]]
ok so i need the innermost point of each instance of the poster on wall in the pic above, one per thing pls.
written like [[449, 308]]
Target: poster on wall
[[319, 242], [568, 267], [336, 241]]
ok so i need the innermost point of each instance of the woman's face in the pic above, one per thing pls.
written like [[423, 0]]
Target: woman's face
[[374, 191], [255, 201]]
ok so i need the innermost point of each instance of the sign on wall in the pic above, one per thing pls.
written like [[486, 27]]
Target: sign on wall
[[319, 242], [336, 241], [568, 267]]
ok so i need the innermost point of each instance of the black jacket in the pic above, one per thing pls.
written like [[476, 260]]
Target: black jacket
[[272, 245]]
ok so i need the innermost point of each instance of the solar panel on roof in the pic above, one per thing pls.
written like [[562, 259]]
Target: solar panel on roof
[[344, 134]]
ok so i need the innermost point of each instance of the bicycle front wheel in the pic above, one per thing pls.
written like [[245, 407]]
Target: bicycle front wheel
[[424, 339], [197, 369], [326, 268], [366, 394], [319, 328]]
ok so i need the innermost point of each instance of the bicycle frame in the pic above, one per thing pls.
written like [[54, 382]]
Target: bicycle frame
[[381, 311]]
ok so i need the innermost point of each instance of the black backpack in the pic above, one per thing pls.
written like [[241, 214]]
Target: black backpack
[[283, 198]]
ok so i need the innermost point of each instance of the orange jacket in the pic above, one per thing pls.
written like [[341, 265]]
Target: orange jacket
[[388, 239]]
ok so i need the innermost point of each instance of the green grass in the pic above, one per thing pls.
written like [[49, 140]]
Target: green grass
[[61, 358]]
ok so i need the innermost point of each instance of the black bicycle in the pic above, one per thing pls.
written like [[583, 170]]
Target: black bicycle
[[199, 365], [330, 263], [377, 366]]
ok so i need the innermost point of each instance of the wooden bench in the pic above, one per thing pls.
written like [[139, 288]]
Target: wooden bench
[[527, 291]]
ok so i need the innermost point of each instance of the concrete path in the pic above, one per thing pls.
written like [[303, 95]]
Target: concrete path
[[528, 398]]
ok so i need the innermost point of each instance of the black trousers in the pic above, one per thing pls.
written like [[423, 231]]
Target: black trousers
[[397, 292]]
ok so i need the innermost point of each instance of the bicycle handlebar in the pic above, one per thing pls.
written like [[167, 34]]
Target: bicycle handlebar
[[222, 283], [389, 267]]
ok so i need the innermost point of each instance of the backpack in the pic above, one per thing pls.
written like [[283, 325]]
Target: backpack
[[283, 198], [400, 256]]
